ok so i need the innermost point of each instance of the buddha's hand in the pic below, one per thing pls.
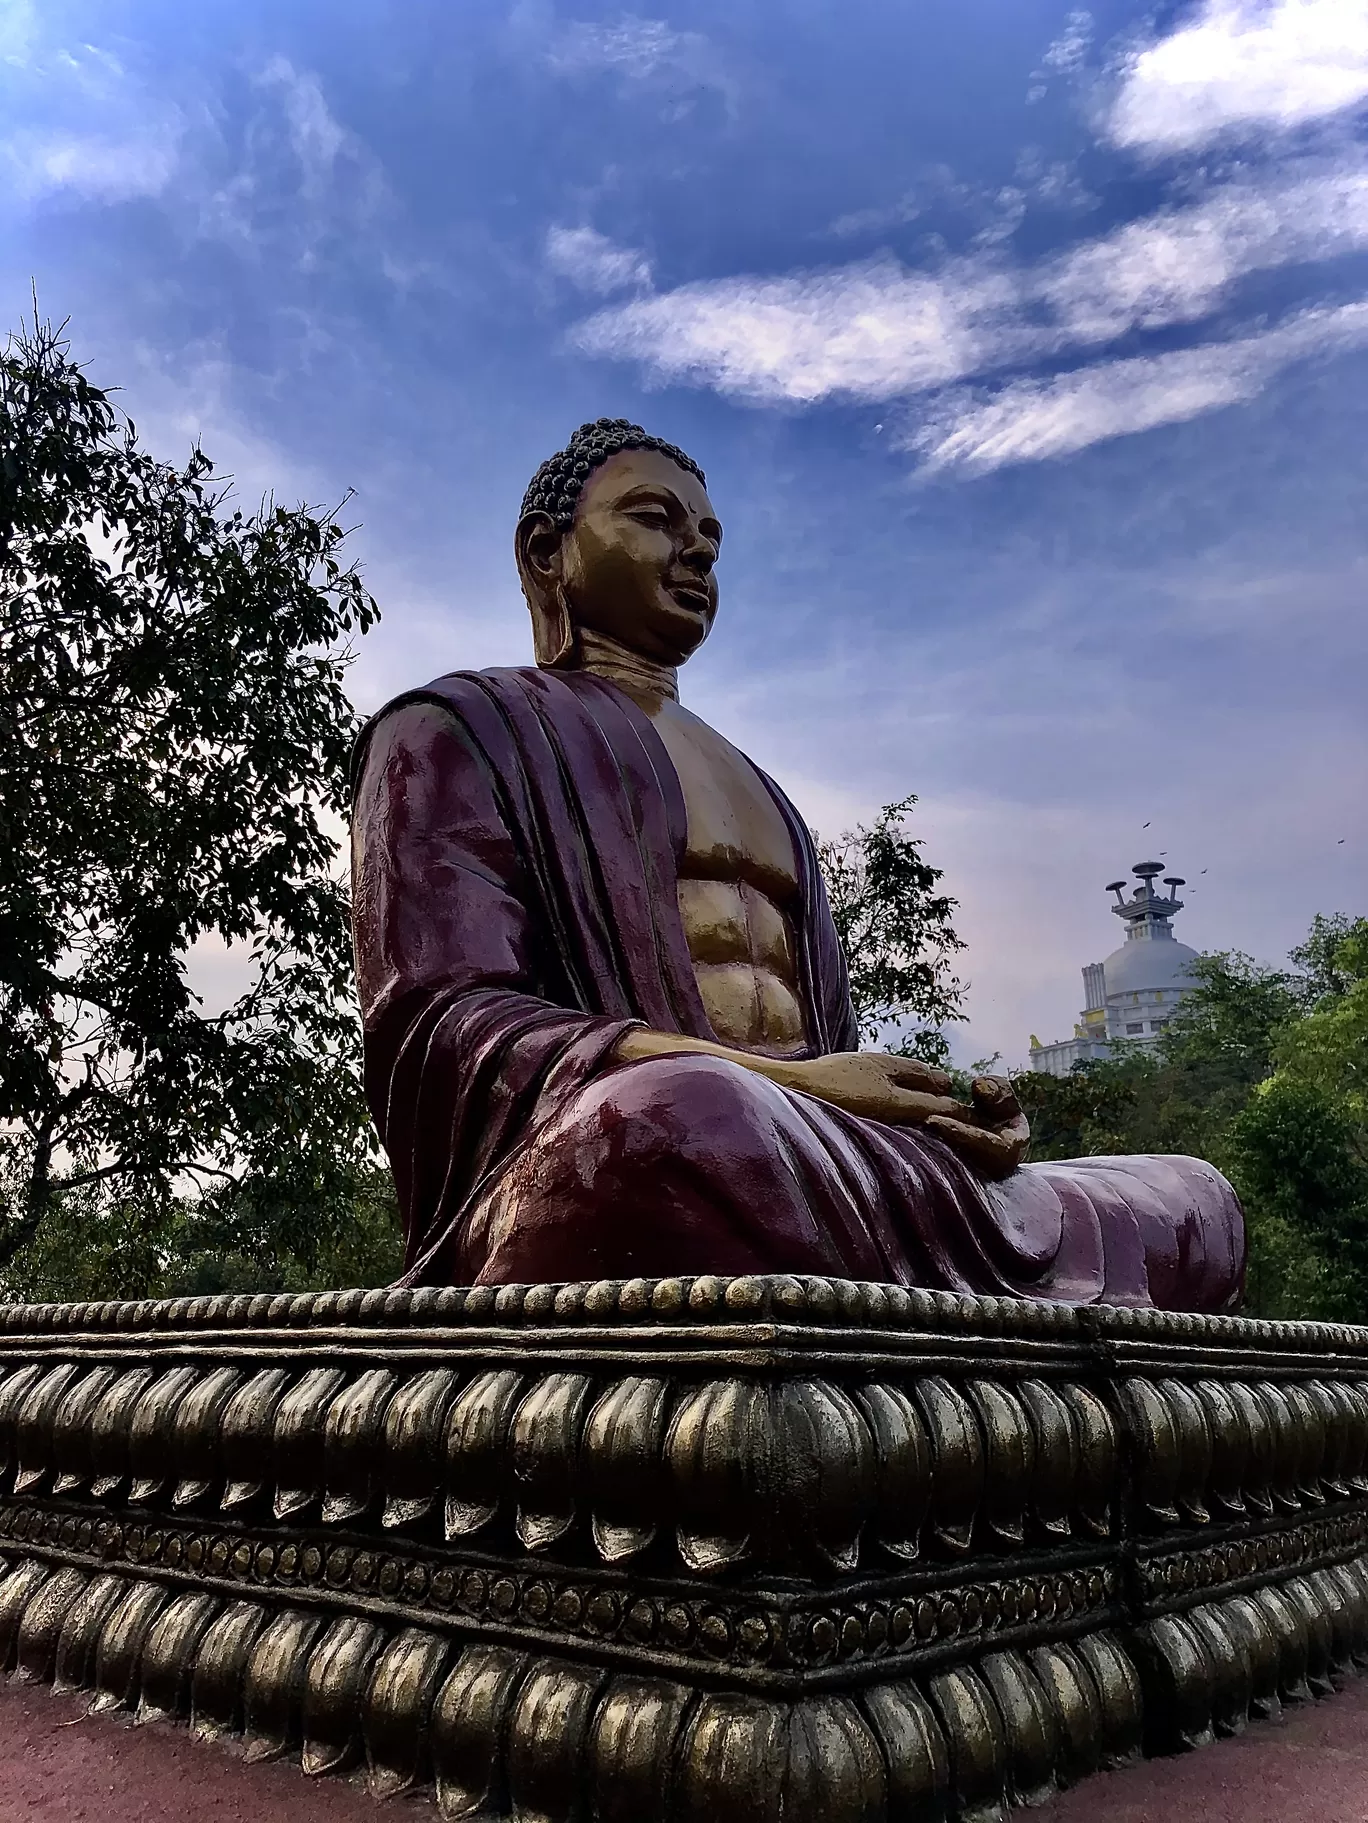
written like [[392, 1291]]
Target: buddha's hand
[[994, 1136], [876, 1086]]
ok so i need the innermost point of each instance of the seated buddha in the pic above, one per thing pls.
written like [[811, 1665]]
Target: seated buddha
[[608, 1030]]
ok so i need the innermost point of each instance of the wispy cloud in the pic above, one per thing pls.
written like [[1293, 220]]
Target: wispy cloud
[[18, 31], [867, 331], [1241, 66], [879, 330], [594, 263], [1066, 56], [93, 167], [642, 53], [1031, 420], [300, 174], [92, 132]]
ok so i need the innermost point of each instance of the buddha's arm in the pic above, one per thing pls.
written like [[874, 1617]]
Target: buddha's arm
[[991, 1133]]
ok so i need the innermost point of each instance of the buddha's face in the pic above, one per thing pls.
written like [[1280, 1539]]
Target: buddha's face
[[637, 563]]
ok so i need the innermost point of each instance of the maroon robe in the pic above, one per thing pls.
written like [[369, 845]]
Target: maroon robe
[[515, 842]]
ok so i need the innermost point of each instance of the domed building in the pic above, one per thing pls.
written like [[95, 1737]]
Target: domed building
[[1131, 996]]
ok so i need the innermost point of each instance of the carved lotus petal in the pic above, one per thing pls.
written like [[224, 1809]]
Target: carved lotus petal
[[1194, 1449], [71, 1430], [1009, 1458], [1054, 1481], [196, 1434], [351, 1444], [902, 1452], [148, 1458], [469, 1730], [110, 1425], [1258, 1472], [1158, 1457], [743, 1755], [245, 1435], [476, 1467], [412, 1447], [274, 1683], [41, 1626], [297, 1440], [14, 1390], [1229, 1446], [121, 1643], [1095, 1435], [1285, 1434], [34, 1429], [216, 1681], [622, 1465], [546, 1434], [396, 1709], [957, 1457], [338, 1672]]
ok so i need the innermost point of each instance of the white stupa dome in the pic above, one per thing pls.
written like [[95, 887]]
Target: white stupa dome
[[1148, 962]]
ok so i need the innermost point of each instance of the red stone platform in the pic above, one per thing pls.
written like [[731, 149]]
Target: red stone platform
[[1311, 1767], [57, 1765]]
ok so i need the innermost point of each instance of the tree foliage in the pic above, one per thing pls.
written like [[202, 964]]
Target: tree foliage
[[897, 931], [173, 746]]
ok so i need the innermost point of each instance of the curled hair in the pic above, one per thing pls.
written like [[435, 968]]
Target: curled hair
[[556, 486]]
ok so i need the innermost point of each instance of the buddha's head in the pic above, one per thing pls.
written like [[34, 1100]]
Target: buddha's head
[[618, 536]]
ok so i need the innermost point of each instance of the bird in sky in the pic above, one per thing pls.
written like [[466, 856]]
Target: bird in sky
[[1144, 825], [1204, 870]]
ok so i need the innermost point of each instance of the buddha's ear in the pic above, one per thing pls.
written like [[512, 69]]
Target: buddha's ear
[[538, 547]]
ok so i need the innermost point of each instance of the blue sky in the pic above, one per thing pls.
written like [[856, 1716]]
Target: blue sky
[[1026, 349]]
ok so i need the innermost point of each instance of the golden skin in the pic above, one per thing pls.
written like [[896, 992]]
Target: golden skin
[[633, 591]]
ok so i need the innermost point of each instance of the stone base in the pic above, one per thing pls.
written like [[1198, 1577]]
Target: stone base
[[692, 1550]]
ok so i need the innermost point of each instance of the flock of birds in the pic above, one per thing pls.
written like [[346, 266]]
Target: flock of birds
[[1192, 889]]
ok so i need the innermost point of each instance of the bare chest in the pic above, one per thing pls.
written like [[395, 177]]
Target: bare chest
[[735, 831], [738, 887]]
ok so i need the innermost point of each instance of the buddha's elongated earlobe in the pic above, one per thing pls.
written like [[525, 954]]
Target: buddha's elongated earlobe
[[553, 632], [536, 546]]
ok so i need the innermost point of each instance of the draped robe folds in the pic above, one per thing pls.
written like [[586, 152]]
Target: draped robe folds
[[516, 836]]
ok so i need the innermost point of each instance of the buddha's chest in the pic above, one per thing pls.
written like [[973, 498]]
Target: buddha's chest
[[735, 831]]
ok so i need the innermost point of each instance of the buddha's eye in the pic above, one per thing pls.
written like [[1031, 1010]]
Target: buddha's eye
[[651, 515]]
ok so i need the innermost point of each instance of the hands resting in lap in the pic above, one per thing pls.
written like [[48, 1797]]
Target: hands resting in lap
[[989, 1131]]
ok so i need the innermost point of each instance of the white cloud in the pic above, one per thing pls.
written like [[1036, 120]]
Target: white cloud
[[94, 167], [642, 53], [878, 330], [1242, 66], [1032, 420], [868, 331], [18, 31], [79, 124], [639, 48], [316, 136], [294, 147], [1065, 56], [594, 263]]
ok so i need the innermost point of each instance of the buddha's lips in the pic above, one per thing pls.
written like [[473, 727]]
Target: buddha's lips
[[691, 595]]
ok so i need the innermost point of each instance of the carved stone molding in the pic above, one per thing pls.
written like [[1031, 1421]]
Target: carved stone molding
[[699, 1549]]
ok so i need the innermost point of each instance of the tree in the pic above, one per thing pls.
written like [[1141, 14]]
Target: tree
[[1263, 1071], [897, 931], [173, 747], [1074, 1115]]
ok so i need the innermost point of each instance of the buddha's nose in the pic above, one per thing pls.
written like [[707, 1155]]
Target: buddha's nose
[[698, 552]]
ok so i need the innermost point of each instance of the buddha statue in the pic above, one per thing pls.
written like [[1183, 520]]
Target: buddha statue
[[608, 1030]]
